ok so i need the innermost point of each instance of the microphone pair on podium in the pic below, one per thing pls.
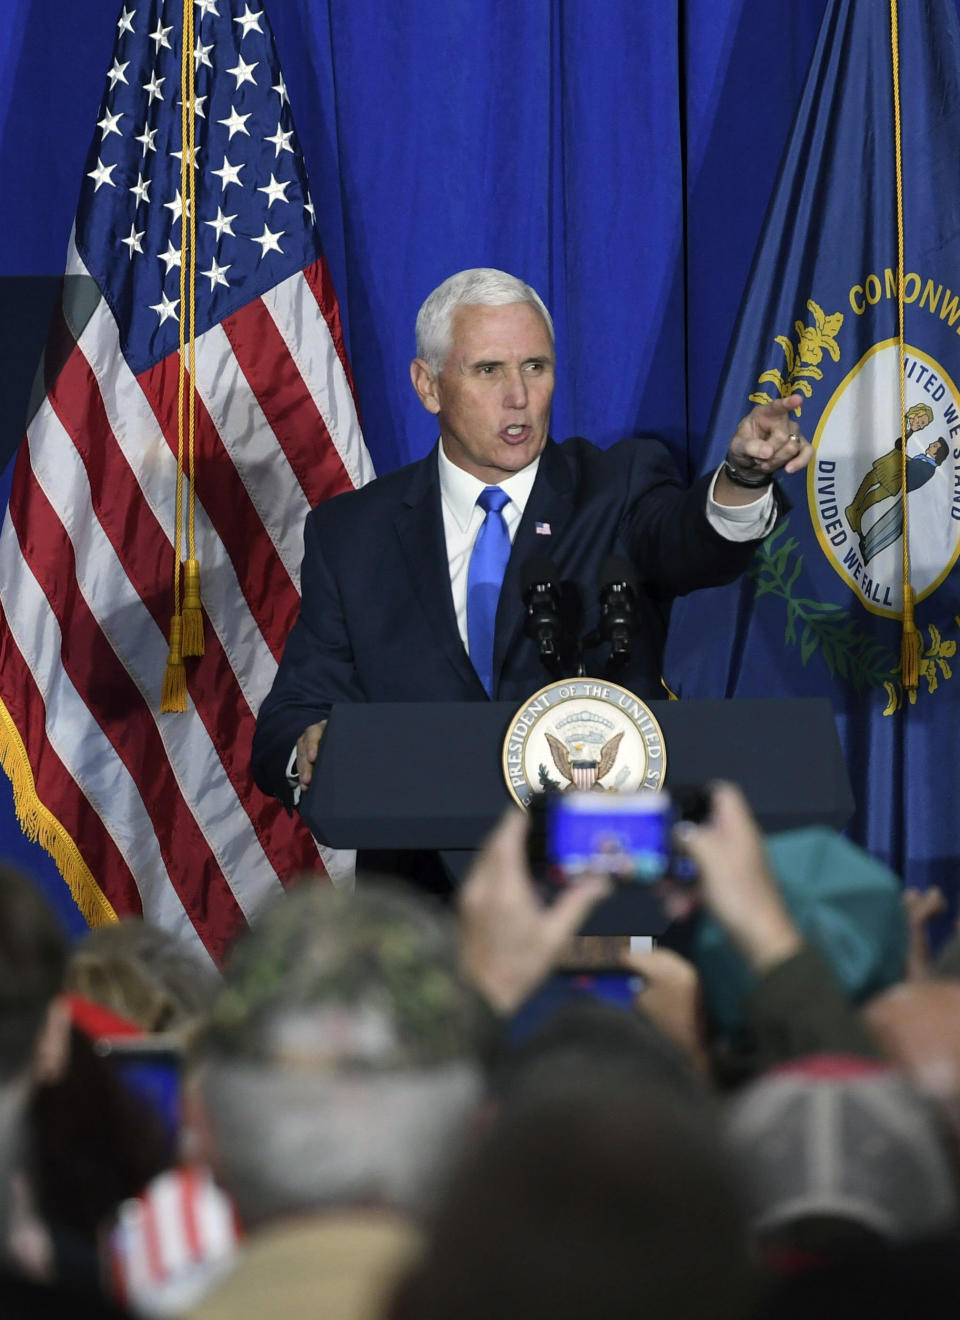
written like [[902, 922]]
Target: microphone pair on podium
[[561, 652]]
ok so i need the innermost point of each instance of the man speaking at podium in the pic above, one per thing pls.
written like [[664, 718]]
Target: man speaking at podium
[[412, 585]]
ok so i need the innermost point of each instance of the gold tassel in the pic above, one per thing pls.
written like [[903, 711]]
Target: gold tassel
[[909, 645], [192, 610], [174, 695]]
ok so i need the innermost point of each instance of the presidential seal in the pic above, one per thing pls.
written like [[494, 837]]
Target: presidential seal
[[583, 733], [855, 484]]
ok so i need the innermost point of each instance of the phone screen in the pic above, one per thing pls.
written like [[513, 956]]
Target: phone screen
[[616, 987], [626, 836]]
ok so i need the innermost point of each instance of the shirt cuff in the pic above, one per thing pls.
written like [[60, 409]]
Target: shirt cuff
[[293, 779], [742, 522]]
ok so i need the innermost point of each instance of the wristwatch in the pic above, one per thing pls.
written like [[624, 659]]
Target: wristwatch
[[739, 479]]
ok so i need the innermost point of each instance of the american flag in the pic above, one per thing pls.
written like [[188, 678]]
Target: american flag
[[146, 812]]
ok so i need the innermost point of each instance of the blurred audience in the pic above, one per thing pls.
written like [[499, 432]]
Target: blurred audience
[[370, 1128], [96, 1134], [338, 1071], [35, 1056], [34, 1027]]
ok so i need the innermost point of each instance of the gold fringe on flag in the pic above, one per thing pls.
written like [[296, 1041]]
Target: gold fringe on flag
[[41, 826], [909, 637]]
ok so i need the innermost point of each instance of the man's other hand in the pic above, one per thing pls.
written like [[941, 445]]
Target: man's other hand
[[308, 744]]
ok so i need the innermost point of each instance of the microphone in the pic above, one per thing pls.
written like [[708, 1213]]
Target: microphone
[[540, 583], [617, 586]]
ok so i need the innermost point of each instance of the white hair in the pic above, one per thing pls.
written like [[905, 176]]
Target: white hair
[[480, 287], [288, 1141]]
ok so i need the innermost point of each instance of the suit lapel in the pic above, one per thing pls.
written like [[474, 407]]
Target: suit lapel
[[551, 501], [419, 525]]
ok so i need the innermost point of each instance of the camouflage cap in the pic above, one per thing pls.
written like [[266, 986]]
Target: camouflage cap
[[364, 980]]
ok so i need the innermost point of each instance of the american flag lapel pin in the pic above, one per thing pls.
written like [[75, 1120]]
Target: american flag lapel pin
[[543, 529]]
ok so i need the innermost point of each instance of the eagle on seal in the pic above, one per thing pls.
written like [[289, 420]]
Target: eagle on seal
[[584, 774]]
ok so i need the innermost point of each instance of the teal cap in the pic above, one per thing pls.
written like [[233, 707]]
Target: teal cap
[[845, 903]]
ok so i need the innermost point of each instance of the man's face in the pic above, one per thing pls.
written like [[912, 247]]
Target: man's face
[[919, 422], [492, 396]]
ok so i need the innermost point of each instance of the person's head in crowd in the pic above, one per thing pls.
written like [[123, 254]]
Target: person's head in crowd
[[589, 1038], [837, 1153], [33, 959], [588, 1199], [91, 1139], [338, 1066], [918, 1027], [94, 1140], [33, 1035], [144, 974]]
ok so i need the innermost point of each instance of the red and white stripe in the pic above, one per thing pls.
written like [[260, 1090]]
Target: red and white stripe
[[172, 1243], [163, 807]]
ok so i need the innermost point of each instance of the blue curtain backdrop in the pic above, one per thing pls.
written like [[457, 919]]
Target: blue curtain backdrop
[[618, 154]]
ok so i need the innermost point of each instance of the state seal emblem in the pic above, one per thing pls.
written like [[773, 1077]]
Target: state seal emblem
[[583, 733], [855, 485], [883, 489]]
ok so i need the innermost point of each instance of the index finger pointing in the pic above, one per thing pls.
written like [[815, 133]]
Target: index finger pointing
[[780, 407]]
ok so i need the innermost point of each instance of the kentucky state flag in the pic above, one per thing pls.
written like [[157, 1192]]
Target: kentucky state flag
[[820, 612]]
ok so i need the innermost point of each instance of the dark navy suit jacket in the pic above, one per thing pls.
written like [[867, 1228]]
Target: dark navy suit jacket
[[377, 620]]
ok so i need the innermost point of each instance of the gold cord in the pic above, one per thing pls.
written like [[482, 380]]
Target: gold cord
[[192, 615], [910, 638], [174, 694]]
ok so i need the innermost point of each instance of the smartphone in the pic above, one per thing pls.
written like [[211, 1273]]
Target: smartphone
[[628, 836], [150, 1067]]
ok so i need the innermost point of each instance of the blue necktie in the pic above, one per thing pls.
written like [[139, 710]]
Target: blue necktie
[[491, 550]]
